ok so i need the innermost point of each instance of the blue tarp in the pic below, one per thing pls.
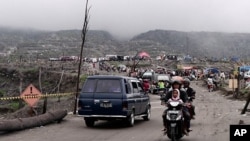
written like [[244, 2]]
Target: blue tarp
[[244, 68], [213, 70], [235, 59], [188, 58]]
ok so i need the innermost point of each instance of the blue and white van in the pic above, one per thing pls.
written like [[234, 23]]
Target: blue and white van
[[105, 97]]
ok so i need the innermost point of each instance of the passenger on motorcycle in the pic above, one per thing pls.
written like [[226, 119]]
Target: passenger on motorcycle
[[191, 95], [146, 85], [175, 96], [183, 96]]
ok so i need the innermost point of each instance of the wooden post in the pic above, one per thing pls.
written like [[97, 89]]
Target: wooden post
[[45, 104], [238, 84], [247, 103]]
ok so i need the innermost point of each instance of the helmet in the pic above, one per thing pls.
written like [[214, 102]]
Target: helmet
[[176, 82], [186, 81]]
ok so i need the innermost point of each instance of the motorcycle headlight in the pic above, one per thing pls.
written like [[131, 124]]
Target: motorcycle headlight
[[177, 115]]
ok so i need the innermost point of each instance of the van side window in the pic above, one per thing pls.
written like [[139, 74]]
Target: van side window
[[135, 87], [127, 86], [89, 86]]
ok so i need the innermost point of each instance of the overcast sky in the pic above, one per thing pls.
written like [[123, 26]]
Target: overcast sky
[[127, 18]]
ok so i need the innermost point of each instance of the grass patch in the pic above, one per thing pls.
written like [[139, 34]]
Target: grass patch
[[14, 105]]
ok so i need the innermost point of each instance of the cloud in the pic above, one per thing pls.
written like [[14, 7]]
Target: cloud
[[126, 18]]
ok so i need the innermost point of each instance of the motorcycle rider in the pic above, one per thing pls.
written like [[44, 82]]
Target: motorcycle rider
[[183, 96], [213, 79], [146, 85], [191, 95]]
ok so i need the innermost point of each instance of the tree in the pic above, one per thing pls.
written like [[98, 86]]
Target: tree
[[84, 32]]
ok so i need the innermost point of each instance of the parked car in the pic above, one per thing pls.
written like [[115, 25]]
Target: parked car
[[108, 97]]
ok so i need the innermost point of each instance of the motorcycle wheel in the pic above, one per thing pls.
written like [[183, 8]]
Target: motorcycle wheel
[[173, 138]]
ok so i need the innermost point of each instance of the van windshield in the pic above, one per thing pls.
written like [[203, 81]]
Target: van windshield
[[108, 86]]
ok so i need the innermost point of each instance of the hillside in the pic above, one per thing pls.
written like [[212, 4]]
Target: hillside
[[45, 44], [211, 44]]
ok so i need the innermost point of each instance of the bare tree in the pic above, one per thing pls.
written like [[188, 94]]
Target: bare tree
[[84, 32]]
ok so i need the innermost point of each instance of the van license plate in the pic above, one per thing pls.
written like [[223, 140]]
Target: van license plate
[[105, 105]]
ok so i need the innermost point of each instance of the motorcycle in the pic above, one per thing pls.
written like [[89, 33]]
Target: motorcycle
[[191, 77], [175, 120], [210, 85], [161, 93]]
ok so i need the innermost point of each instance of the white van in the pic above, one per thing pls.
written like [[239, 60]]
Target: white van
[[247, 74]]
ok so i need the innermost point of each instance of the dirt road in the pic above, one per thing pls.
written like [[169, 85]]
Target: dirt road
[[215, 114]]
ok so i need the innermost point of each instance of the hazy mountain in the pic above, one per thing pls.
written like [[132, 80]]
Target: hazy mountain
[[65, 42], [213, 44], [99, 43]]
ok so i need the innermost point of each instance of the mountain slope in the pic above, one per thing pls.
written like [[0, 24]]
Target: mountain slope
[[213, 44]]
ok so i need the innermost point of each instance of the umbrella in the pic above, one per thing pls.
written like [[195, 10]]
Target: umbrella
[[178, 78]]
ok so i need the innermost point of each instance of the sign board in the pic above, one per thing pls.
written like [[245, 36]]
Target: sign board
[[233, 83], [31, 95]]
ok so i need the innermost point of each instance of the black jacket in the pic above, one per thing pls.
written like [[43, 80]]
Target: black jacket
[[190, 91]]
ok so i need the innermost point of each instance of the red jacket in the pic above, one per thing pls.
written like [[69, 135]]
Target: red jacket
[[146, 85]]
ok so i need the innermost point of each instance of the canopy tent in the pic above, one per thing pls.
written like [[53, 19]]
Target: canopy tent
[[187, 68], [235, 59], [144, 54]]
